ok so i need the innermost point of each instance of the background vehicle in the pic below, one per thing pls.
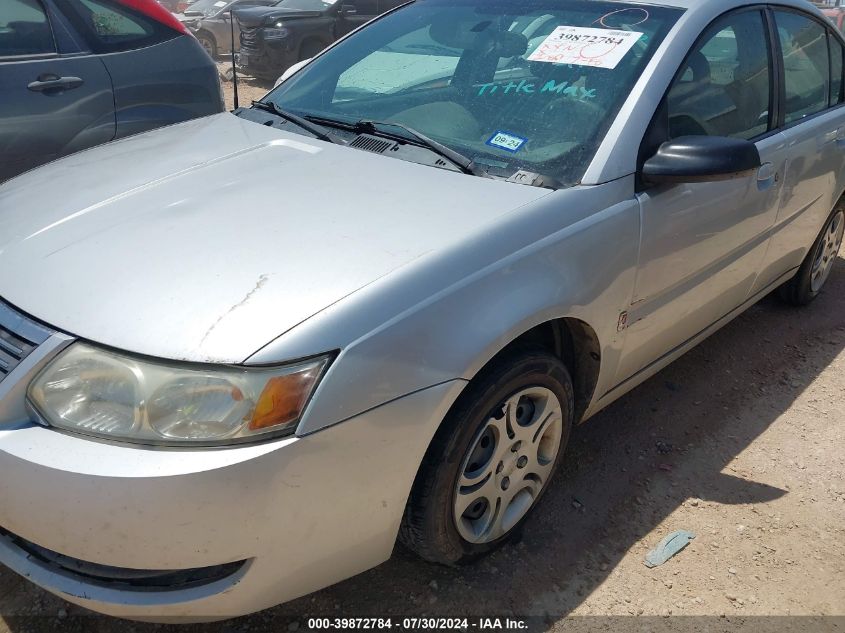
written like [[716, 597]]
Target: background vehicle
[[176, 6], [75, 74], [210, 22], [294, 30], [834, 10], [837, 16]]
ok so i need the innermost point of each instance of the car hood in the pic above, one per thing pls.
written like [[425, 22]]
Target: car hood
[[206, 240], [259, 15]]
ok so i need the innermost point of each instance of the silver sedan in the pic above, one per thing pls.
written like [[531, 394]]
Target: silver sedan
[[241, 356]]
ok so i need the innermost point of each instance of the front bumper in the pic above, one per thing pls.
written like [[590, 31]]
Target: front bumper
[[302, 512], [268, 61]]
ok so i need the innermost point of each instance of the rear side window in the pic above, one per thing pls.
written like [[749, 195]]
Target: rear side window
[[836, 70], [724, 88], [24, 29], [806, 64], [109, 26]]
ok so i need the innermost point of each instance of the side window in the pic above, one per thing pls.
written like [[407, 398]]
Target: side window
[[805, 64], [837, 56], [24, 29], [725, 85], [113, 26], [110, 26]]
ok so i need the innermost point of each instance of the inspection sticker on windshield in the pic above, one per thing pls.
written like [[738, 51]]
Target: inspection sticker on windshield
[[582, 46], [507, 141]]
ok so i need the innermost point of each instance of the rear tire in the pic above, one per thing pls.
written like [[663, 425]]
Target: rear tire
[[491, 460], [815, 269]]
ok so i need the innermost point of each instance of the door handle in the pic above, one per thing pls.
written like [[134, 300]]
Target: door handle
[[767, 175], [50, 83]]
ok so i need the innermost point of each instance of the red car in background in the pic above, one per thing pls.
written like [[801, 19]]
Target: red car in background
[[835, 12], [837, 16], [176, 6]]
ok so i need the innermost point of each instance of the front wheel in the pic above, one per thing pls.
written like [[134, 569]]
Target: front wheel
[[492, 459], [814, 271], [208, 43]]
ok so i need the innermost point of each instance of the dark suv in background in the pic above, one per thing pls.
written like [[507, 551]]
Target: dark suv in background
[[76, 73], [273, 39], [211, 22]]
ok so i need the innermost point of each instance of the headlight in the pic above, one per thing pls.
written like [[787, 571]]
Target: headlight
[[97, 392], [276, 32]]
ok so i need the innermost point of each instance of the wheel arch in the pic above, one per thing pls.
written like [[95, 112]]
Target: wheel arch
[[203, 32], [576, 343]]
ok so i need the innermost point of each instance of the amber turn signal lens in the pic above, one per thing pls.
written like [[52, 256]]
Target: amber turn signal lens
[[283, 399]]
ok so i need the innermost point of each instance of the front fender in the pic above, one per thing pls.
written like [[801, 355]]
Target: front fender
[[572, 254]]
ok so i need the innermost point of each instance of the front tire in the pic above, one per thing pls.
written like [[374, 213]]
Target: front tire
[[208, 43], [492, 459], [814, 271]]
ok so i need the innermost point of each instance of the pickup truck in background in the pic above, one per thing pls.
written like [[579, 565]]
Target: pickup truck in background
[[275, 38]]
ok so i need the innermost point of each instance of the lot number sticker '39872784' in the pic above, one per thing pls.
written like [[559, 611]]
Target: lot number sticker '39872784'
[[582, 46]]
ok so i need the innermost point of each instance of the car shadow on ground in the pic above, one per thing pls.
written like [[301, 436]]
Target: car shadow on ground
[[670, 440]]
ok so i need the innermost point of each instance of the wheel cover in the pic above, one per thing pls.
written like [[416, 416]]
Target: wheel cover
[[207, 45], [826, 251], [507, 465]]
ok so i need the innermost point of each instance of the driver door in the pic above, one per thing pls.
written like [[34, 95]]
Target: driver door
[[51, 103], [702, 244], [354, 13]]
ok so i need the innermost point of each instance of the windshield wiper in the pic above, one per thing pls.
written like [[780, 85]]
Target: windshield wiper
[[305, 124], [464, 163]]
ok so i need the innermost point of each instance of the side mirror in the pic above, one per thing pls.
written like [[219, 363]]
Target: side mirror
[[701, 159]]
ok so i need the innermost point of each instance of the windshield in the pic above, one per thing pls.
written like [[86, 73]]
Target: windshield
[[530, 85]]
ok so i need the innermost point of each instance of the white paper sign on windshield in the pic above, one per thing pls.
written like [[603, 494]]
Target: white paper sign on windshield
[[583, 46]]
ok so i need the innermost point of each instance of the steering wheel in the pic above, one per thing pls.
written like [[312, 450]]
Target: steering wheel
[[574, 108]]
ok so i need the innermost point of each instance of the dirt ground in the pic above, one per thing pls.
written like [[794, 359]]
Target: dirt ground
[[740, 441], [249, 88]]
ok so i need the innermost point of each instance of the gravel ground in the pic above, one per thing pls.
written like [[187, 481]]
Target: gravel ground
[[739, 441], [249, 88]]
